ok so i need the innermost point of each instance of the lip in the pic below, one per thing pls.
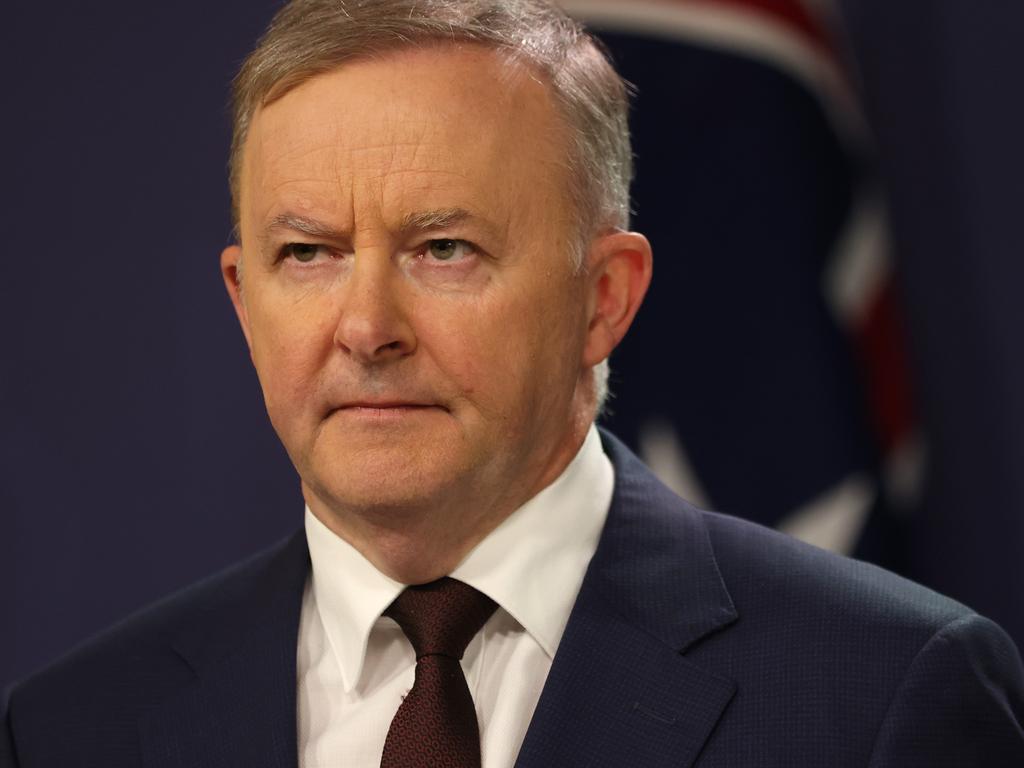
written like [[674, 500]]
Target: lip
[[389, 405], [374, 411]]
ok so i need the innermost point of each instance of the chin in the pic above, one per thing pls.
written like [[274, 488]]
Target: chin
[[370, 484], [386, 467]]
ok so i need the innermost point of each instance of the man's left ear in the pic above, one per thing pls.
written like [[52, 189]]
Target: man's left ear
[[619, 271]]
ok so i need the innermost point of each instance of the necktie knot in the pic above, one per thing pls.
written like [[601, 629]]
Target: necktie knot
[[440, 618]]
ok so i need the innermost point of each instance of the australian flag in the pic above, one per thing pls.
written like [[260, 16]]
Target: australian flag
[[766, 375]]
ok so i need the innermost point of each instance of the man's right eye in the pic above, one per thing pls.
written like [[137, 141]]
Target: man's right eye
[[303, 253]]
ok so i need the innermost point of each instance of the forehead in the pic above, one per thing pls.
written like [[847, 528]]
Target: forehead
[[438, 127]]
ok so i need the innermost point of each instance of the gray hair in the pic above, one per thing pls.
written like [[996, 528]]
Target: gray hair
[[311, 37]]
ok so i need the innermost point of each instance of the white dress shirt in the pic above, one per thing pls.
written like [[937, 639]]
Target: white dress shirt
[[354, 666]]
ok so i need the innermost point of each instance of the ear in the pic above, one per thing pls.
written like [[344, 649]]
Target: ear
[[231, 271], [620, 266]]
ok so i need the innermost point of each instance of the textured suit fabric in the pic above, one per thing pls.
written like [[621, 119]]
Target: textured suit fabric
[[719, 643]]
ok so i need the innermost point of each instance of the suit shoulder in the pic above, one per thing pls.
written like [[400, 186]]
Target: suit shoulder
[[899, 673], [779, 585], [143, 652], [771, 574], [840, 653]]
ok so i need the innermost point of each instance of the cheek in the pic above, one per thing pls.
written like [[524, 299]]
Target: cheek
[[501, 350], [290, 344], [463, 342], [471, 344], [556, 333]]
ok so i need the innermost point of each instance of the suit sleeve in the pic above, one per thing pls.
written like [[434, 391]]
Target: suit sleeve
[[960, 704]]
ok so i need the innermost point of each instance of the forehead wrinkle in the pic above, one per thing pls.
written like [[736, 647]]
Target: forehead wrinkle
[[284, 154], [433, 163], [310, 181]]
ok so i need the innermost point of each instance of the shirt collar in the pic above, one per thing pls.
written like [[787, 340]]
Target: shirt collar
[[532, 565], [350, 595]]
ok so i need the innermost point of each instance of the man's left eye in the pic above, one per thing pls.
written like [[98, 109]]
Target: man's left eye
[[449, 250]]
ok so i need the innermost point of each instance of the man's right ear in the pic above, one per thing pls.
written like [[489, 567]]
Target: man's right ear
[[231, 271]]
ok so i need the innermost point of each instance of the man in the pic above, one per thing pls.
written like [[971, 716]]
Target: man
[[433, 266]]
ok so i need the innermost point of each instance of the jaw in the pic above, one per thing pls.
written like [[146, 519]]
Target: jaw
[[416, 523]]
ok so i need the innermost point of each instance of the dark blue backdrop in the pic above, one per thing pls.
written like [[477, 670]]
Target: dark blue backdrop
[[134, 449], [941, 82]]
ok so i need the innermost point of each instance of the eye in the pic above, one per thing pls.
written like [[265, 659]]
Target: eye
[[304, 253], [449, 250]]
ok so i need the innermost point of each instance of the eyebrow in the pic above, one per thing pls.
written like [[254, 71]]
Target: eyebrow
[[440, 219], [304, 224]]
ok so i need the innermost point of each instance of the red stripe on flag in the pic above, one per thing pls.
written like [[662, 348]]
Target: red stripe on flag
[[881, 342], [788, 13]]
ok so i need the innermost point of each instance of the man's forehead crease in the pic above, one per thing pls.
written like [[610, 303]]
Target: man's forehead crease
[[297, 201], [282, 153], [328, 227], [283, 183], [304, 189]]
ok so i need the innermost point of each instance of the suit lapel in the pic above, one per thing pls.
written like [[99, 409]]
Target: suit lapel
[[240, 709], [621, 690]]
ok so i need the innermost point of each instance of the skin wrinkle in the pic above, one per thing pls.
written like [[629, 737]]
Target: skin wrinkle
[[543, 64], [409, 234], [500, 347], [415, 223], [391, 174]]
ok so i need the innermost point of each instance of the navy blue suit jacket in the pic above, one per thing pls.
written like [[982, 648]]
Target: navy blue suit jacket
[[697, 639]]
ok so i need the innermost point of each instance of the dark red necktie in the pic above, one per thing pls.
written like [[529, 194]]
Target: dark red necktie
[[435, 726]]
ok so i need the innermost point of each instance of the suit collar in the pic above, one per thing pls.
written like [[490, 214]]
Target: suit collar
[[621, 690], [654, 564], [241, 646]]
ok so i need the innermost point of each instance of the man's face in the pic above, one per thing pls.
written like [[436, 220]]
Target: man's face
[[408, 295]]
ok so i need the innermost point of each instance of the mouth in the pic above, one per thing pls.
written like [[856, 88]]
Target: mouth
[[384, 405], [384, 410]]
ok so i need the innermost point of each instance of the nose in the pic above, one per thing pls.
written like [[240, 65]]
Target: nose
[[373, 326]]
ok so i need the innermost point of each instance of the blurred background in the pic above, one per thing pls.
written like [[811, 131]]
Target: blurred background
[[832, 344]]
